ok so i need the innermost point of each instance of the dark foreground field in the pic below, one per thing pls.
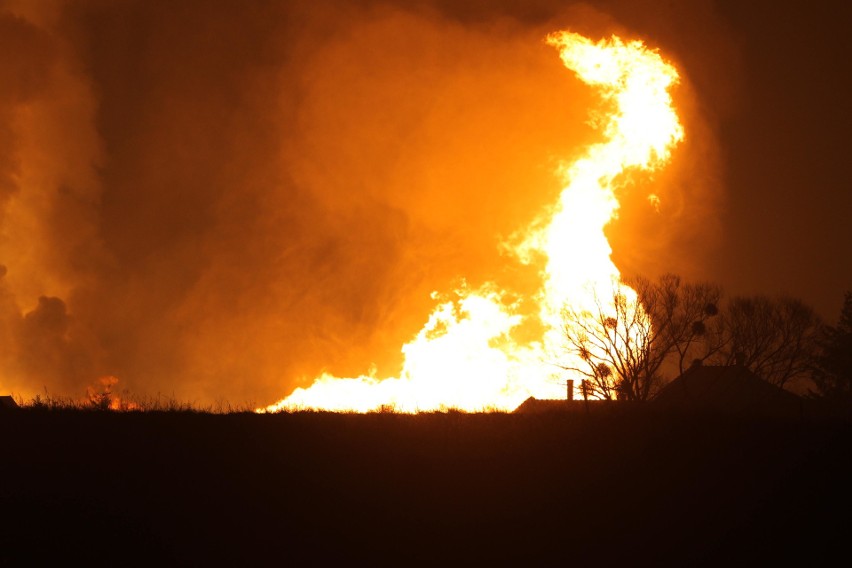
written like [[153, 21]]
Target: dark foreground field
[[641, 488]]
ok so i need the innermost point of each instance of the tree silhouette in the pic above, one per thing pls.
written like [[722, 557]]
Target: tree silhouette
[[776, 339], [622, 343], [631, 338], [684, 314], [832, 374]]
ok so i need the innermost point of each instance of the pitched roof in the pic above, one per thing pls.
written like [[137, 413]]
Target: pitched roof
[[534, 405], [730, 388], [7, 401]]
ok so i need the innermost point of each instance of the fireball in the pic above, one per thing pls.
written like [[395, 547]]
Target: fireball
[[465, 356]]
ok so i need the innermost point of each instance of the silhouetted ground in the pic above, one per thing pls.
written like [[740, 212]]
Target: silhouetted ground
[[635, 486]]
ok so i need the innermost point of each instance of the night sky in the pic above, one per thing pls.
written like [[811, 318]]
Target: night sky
[[221, 200], [785, 148]]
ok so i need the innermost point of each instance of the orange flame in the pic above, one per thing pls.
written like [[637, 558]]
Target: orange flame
[[103, 397], [465, 356]]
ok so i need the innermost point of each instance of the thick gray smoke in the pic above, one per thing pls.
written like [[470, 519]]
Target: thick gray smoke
[[219, 200]]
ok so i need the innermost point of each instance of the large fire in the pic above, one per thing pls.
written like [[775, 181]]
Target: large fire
[[466, 357]]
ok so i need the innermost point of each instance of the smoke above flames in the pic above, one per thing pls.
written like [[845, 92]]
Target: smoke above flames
[[225, 200]]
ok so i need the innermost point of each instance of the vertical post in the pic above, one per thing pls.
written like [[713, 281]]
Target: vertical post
[[570, 388]]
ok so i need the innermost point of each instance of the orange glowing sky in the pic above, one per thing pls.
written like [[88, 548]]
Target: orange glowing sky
[[223, 202], [467, 355]]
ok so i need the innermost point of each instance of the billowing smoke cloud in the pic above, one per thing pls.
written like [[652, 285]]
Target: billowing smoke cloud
[[221, 200]]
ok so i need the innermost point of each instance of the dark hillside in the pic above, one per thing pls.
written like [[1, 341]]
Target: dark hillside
[[308, 488]]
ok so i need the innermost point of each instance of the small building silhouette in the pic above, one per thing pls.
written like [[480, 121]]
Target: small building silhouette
[[730, 389], [534, 405], [7, 402]]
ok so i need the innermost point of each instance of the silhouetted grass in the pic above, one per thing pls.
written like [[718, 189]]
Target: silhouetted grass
[[125, 402], [182, 485]]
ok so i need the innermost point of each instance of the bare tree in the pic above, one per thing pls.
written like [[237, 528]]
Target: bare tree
[[634, 334], [774, 338], [683, 313], [622, 342], [833, 365], [607, 342]]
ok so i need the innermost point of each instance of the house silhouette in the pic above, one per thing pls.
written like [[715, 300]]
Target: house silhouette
[[534, 405], [725, 389], [732, 389]]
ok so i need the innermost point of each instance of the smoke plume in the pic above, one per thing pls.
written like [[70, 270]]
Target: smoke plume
[[222, 200]]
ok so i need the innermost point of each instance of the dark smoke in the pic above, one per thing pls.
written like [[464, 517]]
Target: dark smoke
[[219, 200]]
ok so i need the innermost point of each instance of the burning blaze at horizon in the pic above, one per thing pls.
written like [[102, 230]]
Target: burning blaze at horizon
[[226, 201], [469, 355]]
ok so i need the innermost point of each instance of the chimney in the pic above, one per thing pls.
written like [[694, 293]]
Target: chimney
[[570, 389]]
